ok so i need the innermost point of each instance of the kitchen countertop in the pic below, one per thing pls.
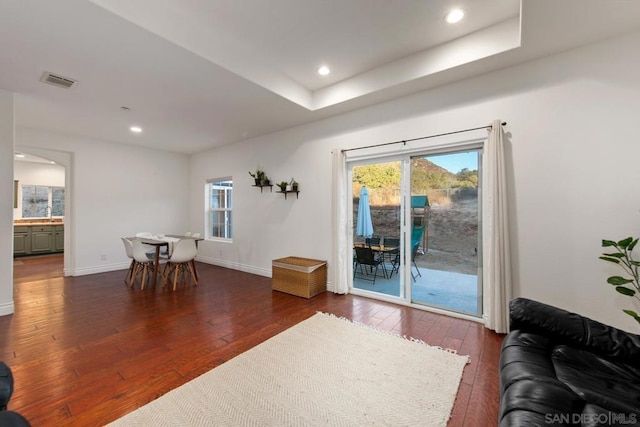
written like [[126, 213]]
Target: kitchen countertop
[[39, 223]]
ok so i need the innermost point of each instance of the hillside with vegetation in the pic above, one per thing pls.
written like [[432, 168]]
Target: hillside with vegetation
[[383, 182]]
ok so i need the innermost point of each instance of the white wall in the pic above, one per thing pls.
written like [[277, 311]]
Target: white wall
[[573, 158], [266, 225], [32, 173], [115, 190], [6, 202]]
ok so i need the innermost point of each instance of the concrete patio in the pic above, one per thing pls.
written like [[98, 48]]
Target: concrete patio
[[448, 290]]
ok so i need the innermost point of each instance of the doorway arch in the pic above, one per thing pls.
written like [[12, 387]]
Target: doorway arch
[[64, 159]]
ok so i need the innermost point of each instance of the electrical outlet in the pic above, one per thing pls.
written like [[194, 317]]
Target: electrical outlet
[[103, 257]]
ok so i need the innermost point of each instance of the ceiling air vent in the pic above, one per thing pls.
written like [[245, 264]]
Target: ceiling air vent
[[57, 80]]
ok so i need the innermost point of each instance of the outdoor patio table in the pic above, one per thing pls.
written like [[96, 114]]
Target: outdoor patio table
[[383, 249]]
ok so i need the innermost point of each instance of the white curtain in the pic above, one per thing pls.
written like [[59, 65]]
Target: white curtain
[[495, 233], [340, 224]]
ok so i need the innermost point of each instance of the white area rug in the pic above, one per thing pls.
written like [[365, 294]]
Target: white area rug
[[322, 371]]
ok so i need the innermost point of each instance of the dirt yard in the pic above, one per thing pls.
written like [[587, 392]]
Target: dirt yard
[[452, 237]]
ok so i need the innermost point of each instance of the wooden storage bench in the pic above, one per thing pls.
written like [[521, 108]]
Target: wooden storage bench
[[302, 277]]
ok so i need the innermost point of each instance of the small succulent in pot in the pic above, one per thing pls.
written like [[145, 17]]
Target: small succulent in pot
[[283, 185], [294, 184]]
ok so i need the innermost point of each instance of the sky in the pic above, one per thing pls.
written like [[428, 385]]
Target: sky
[[455, 162]]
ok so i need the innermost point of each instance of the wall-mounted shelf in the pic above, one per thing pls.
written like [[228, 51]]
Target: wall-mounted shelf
[[264, 185], [289, 191]]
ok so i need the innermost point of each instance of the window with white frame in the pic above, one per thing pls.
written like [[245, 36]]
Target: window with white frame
[[220, 208], [42, 202]]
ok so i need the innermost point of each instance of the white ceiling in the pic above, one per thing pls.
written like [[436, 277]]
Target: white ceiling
[[201, 73]]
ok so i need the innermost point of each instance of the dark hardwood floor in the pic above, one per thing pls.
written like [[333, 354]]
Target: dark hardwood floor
[[87, 350]]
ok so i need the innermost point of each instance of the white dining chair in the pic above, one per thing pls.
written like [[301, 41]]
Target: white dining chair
[[187, 234], [150, 249], [144, 265], [181, 261], [128, 247]]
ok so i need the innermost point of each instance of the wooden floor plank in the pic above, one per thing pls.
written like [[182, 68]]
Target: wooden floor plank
[[87, 350]]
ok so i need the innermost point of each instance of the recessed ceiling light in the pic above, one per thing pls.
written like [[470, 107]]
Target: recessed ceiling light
[[20, 155], [52, 162], [324, 70], [454, 16], [136, 129]]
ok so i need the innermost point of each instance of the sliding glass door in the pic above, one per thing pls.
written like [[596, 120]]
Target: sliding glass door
[[377, 218], [445, 243], [416, 229]]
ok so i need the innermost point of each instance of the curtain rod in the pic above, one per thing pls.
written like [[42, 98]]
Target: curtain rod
[[404, 141]]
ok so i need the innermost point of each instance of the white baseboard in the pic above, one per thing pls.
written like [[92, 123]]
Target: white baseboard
[[266, 272], [7, 308], [330, 286], [83, 271]]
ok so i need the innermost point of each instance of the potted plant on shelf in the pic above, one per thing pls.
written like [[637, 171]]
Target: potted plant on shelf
[[283, 186], [258, 175], [623, 257], [294, 185]]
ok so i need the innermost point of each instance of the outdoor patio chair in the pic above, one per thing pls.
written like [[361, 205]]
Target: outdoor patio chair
[[372, 241], [396, 262], [414, 251], [394, 255], [366, 257]]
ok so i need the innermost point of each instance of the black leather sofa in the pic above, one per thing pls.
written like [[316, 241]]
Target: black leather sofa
[[559, 368], [8, 418]]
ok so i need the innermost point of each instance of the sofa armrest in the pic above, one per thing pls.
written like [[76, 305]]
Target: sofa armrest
[[6, 385], [574, 330]]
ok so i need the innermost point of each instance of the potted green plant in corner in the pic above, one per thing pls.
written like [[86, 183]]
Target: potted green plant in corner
[[624, 258]]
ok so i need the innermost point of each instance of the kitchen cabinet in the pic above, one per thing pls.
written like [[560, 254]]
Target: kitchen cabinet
[[38, 239], [58, 238], [41, 239], [21, 241]]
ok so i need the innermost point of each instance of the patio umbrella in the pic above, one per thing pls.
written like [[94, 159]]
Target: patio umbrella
[[364, 226]]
